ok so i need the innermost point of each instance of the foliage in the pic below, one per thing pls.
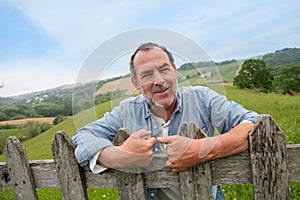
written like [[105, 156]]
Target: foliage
[[281, 58], [34, 128], [58, 119], [288, 80], [254, 75], [200, 64]]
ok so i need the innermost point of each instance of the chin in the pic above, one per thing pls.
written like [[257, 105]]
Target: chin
[[162, 104]]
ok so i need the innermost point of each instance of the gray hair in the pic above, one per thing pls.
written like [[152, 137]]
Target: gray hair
[[147, 46]]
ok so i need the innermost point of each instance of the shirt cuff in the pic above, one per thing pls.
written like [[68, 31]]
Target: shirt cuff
[[96, 169], [246, 121]]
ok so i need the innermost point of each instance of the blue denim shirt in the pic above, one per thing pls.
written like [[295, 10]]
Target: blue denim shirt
[[197, 104]]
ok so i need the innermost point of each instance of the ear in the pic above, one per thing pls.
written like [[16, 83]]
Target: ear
[[175, 67], [134, 82]]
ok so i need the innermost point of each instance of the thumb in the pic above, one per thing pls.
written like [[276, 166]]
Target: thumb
[[151, 140], [166, 140]]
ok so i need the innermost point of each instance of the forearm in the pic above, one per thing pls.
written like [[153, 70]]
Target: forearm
[[107, 158], [230, 143]]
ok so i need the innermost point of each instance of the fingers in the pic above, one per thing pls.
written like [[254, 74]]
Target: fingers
[[146, 135], [166, 140], [151, 141]]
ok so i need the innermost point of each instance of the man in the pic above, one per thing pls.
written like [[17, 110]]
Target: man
[[154, 119]]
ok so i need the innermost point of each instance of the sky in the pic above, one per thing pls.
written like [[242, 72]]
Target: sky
[[45, 44]]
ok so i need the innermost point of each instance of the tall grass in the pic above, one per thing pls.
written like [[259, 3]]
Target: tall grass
[[284, 109]]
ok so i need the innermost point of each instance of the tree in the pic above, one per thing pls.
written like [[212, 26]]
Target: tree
[[254, 75], [34, 128], [288, 80]]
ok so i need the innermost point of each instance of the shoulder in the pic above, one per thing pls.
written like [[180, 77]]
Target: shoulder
[[200, 90], [133, 102]]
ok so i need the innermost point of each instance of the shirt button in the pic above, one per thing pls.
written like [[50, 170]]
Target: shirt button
[[155, 127], [152, 194], [156, 149]]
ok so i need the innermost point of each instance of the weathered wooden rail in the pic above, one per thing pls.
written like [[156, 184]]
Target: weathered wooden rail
[[268, 164]]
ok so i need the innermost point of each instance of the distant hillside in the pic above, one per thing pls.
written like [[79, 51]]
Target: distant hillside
[[58, 101], [120, 84], [282, 58]]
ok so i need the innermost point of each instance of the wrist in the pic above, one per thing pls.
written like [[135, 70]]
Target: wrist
[[209, 148], [108, 157]]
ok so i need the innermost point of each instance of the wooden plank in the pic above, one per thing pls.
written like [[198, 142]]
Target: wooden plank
[[195, 182], [268, 160], [19, 170], [186, 179], [69, 173], [201, 172], [45, 169], [293, 152], [130, 185]]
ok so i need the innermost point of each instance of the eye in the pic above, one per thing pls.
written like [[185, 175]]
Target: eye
[[145, 75], [164, 68]]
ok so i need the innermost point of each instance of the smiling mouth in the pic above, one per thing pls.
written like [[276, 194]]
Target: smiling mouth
[[161, 90]]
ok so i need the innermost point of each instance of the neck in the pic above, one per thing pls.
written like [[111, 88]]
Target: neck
[[164, 113]]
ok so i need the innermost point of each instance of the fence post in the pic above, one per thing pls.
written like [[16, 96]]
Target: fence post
[[195, 183], [268, 160], [19, 170], [70, 174], [130, 185]]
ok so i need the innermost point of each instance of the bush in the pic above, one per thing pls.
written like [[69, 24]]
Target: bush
[[34, 128], [58, 119], [288, 80]]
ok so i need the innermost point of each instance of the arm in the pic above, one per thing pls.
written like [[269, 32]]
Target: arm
[[184, 152]]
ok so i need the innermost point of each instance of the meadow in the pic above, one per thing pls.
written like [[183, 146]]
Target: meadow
[[284, 109]]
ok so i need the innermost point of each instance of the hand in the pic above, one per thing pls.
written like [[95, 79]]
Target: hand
[[139, 142], [182, 152], [134, 152]]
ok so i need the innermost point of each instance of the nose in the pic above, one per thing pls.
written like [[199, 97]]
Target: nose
[[157, 78]]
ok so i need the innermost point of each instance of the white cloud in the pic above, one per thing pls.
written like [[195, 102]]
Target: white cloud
[[34, 75], [82, 25]]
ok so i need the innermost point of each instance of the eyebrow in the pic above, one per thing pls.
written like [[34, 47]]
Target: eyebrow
[[164, 65], [157, 67]]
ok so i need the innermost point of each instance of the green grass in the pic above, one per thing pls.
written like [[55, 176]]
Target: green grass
[[43, 141], [284, 109], [55, 194], [228, 71], [15, 132]]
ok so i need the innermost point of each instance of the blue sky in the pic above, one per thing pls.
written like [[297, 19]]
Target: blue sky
[[43, 44]]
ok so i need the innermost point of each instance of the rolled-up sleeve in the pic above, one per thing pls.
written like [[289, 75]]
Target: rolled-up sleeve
[[227, 114], [95, 136]]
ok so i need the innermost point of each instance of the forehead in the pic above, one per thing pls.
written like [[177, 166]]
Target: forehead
[[154, 55]]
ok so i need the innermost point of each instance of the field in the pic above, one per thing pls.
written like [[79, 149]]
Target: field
[[23, 121], [284, 109]]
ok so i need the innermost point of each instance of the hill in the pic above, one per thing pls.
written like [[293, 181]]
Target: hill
[[282, 58], [43, 142], [58, 101]]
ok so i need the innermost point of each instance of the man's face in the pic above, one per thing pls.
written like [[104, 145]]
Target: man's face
[[155, 77]]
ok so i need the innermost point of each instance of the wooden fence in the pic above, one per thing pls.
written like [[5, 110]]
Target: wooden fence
[[269, 165]]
